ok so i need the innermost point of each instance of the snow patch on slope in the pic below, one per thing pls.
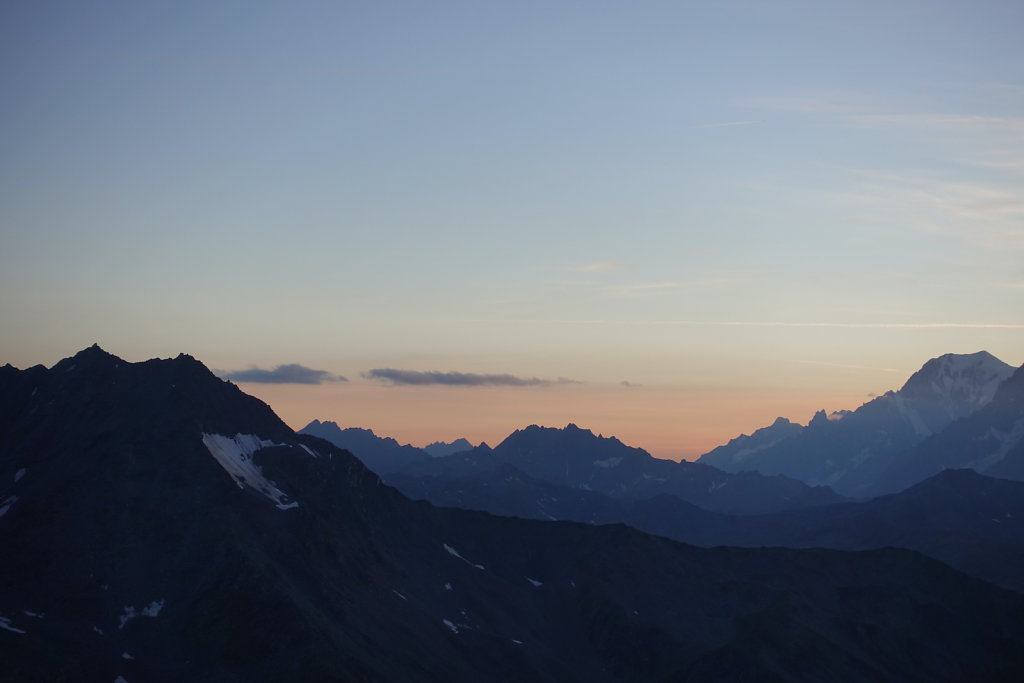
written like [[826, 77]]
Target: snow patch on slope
[[235, 456], [6, 504], [5, 624], [130, 612], [452, 551]]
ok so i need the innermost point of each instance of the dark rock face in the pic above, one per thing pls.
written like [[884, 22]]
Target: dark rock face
[[135, 548]]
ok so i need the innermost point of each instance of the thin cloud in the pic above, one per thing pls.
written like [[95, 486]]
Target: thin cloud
[[291, 373], [597, 267], [752, 323], [462, 379], [719, 278], [916, 326], [817, 103], [982, 140], [726, 124], [985, 215], [848, 366]]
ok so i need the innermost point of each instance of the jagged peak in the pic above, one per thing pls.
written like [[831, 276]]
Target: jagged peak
[[819, 418], [89, 357]]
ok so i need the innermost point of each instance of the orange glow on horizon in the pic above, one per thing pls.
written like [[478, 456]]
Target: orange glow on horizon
[[668, 423]]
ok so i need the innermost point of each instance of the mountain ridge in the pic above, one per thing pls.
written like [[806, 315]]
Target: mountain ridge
[[132, 551]]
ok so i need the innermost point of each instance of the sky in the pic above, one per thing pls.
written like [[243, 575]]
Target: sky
[[670, 222]]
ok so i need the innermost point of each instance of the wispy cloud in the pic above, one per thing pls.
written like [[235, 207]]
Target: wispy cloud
[[704, 280], [759, 323], [725, 124], [597, 267], [986, 215], [978, 198], [839, 325], [1012, 126], [848, 366], [464, 379], [641, 287], [291, 373], [995, 141], [813, 103]]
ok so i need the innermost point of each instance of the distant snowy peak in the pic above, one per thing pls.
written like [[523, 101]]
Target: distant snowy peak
[[964, 382]]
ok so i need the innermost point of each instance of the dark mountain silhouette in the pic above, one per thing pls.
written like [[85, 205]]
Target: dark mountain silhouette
[[380, 454], [851, 452], [439, 449], [160, 525], [576, 458], [507, 491], [971, 522]]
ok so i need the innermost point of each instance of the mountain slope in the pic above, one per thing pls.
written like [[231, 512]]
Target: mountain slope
[[730, 456], [971, 522], [852, 451], [163, 526]]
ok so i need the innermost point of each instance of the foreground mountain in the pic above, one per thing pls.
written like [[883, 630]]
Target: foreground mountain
[[971, 522], [852, 451], [159, 525], [380, 454], [575, 458]]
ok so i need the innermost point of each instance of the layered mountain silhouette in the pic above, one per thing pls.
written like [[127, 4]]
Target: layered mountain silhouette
[[380, 454], [575, 458], [160, 525], [858, 453], [972, 522], [439, 449]]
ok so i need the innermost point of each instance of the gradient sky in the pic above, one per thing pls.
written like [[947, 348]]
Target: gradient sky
[[682, 219]]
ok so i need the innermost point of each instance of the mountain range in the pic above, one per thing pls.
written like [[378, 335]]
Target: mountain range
[[872, 450], [160, 525], [576, 458], [380, 453]]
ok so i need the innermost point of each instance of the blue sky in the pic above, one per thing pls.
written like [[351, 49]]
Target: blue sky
[[784, 205]]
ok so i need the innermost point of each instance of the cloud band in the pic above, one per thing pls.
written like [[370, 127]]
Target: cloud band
[[461, 379], [291, 373]]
